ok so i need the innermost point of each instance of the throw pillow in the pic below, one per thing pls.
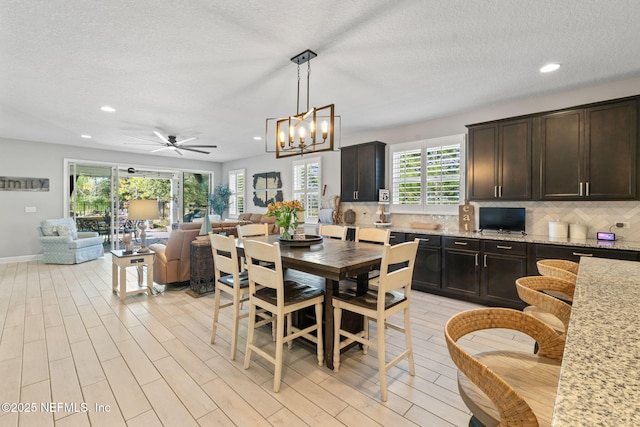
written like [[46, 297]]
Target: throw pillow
[[66, 231]]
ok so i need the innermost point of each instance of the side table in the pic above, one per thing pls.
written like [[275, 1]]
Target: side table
[[202, 277], [121, 260]]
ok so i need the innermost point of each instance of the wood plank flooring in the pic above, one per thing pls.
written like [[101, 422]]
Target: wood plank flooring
[[72, 354]]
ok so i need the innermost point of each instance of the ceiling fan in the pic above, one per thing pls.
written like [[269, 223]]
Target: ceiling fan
[[171, 143]]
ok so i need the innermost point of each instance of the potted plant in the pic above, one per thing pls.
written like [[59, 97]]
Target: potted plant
[[219, 200]]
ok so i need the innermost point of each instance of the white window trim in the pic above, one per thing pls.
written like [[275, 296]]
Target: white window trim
[[244, 190], [305, 161], [423, 208]]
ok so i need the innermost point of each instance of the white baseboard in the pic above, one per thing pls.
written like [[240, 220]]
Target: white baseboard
[[23, 258]]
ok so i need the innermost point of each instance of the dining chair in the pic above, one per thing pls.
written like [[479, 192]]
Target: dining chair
[[252, 230], [393, 296], [332, 231], [552, 311], [563, 269], [231, 281], [373, 235], [282, 298], [506, 387]]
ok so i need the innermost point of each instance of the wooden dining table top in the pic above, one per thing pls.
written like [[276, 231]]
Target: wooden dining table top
[[332, 259]]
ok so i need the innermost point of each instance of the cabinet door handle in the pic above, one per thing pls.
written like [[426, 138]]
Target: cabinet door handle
[[581, 254], [580, 193], [495, 191], [424, 240], [587, 188], [485, 261], [460, 243], [500, 191], [504, 247], [476, 259]]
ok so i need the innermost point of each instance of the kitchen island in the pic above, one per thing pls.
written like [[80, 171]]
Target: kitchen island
[[600, 376]]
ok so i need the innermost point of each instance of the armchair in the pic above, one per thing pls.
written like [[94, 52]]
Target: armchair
[[172, 263], [63, 244]]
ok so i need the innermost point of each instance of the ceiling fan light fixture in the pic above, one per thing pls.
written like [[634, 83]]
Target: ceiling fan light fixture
[[310, 131]]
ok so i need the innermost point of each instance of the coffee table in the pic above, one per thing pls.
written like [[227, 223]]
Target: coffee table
[[120, 261]]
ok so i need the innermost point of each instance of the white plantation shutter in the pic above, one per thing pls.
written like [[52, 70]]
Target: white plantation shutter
[[407, 180], [237, 186], [427, 175], [306, 186], [443, 175]]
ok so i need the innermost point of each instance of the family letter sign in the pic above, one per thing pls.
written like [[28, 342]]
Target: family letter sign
[[13, 183]]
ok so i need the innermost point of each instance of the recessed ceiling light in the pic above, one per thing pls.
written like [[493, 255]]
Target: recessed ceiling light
[[257, 138], [108, 109], [549, 68], [85, 136]]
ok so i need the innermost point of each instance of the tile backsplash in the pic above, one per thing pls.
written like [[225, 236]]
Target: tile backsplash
[[597, 216]]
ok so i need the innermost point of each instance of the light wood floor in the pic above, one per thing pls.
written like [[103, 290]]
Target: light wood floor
[[67, 341]]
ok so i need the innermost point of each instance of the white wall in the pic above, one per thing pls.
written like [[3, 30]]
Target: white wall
[[18, 230]]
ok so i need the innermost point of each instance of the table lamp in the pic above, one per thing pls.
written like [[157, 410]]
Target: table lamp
[[143, 210]]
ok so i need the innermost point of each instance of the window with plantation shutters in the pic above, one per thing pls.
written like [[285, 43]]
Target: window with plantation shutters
[[237, 187], [426, 175], [306, 186]]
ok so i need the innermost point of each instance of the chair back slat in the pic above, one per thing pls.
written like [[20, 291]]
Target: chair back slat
[[332, 231], [253, 230], [373, 235], [225, 255], [269, 276], [530, 291], [403, 253]]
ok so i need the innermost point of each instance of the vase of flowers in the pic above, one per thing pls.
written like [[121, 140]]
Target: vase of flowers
[[286, 214]]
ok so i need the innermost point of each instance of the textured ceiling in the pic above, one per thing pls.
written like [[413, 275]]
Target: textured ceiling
[[216, 69]]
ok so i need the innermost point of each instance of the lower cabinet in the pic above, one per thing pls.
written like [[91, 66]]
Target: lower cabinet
[[502, 263], [428, 267], [460, 267], [484, 271]]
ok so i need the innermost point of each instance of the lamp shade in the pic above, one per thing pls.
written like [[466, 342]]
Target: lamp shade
[[143, 209]]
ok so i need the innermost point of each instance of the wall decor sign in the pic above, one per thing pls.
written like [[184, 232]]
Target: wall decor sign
[[267, 188], [18, 183]]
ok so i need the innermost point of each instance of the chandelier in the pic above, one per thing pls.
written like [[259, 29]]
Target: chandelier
[[305, 132]]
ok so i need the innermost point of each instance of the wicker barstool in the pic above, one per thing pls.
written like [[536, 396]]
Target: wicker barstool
[[550, 310], [506, 388], [562, 269]]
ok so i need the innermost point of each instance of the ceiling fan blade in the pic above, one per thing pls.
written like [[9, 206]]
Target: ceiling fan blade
[[142, 139], [142, 143], [193, 149], [162, 137], [186, 140], [160, 149], [200, 146], [177, 150]]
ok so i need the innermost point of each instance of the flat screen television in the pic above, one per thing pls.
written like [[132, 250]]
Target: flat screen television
[[502, 219]]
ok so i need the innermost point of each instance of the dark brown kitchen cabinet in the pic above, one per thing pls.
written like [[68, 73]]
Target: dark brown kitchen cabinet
[[428, 266], [588, 153], [574, 253], [460, 267], [502, 263], [362, 171], [499, 166]]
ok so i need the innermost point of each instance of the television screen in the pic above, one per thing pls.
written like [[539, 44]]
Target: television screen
[[502, 219]]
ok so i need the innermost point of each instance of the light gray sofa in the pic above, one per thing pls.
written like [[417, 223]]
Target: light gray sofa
[[63, 244]]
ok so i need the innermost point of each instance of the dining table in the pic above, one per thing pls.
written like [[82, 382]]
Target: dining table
[[334, 261], [600, 373]]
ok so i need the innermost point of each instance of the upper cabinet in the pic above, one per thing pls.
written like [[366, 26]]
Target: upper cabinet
[[362, 171], [589, 153], [583, 153], [500, 160]]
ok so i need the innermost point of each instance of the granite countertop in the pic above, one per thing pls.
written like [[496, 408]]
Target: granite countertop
[[600, 381], [517, 237]]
